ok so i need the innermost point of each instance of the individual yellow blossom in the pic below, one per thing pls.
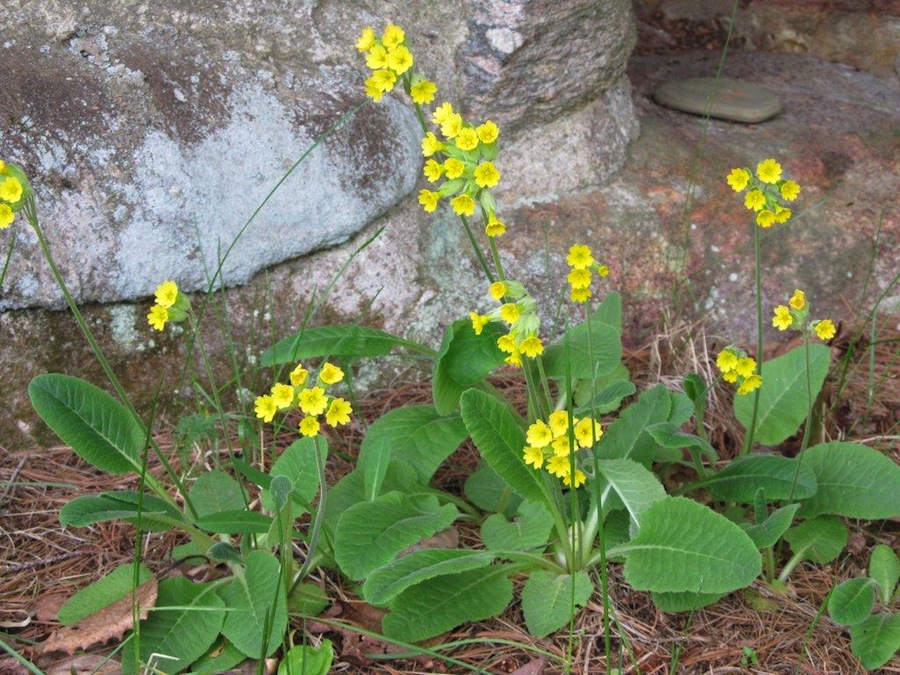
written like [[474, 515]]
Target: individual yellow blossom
[[789, 190], [265, 408], [730, 376], [603, 270], [309, 426], [2, 167], [486, 175], [299, 375], [782, 214], [488, 132], [283, 395], [313, 401], [506, 344], [727, 360], [765, 218], [755, 200], [372, 90], [514, 359], [782, 319], [11, 190], [768, 171], [377, 57], [166, 294], [454, 168], [539, 434], [442, 112], [746, 366], [534, 456], [431, 145], [384, 79], [579, 479], [558, 466], [467, 139], [494, 227], [738, 179], [580, 294], [423, 92], [798, 300], [338, 412], [498, 289], [433, 170], [579, 278], [452, 125], [366, 40], [158, 316], [749, 384], [393, 35], [330, 373], [399, 59], [531, 346], [510, 313], [561, 447], [580, 257], [479, 321], [587, 432], [6, 216], [559, 422], [825, 329], [463, 205], [429, 200]]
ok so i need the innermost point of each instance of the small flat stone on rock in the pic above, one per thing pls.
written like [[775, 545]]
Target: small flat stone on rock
[[731, 100]]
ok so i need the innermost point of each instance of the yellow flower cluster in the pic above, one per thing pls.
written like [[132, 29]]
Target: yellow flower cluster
[[171, 305], [312, 401], [796, 315], [14, 190], [550, 444], [582, 263], [518, 311], [739, 368], [766, 190], [391, 60]]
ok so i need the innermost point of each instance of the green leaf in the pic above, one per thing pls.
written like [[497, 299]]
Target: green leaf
[[307, 600], [235, 522], [489, 492], [464, 360], [417, 434], [335, 341], [102, 593], [768, 532], [308, 660], [91, 509], [216, 491], [852, 601], [591, 351], [494, 428], [390, 580], [607, 399], [669, 435], [637, 488], [627, 437], [439, 604], [820, 540], [100, 429], [685, 601], [547, 599], [884, 568], [682, 408], [529, 530], [298, 462], [184, 624], [370, 534], [255, 598], [876, 640], [221, 657], [854, 481], [739, 481], [351, 489], [783, 401], [685, 546]]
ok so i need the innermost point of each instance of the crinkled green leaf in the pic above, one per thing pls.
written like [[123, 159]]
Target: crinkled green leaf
[[489, 492], [102, 593], [529, 530], [387, 581], [884, 568], [876, 640], [635, 487], [768, 532], [464, 360], [820, 540], [235, 522], [547, 599], [334, 341], [739, 481], [588, 351], [308, 660], [155, 514], [628, 437], [298, 462], [852, 601], [216, 491]]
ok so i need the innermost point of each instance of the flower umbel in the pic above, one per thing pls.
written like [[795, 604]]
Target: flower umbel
[[765, 191]]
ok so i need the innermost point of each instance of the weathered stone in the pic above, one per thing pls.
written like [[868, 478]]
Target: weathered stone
[[723, 98]]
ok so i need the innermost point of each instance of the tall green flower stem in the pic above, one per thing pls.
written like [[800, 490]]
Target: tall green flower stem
[[30, 211], [757, 260]]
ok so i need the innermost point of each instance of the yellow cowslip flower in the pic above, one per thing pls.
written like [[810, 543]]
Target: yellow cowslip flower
[[423, 92], [393, 35], [488, 132], [330, 373], [731, 376], [372, 91], [514, 359], [726, 360], [533, 456], [738, 179], [441, 113], [399, 59], [579, 257], [580, 294], [166, 294], [265, 408], [561, 447], [7, 215], [467, 139], [433, 170], [463, 205], [377, 57], [746, 366], [486, 175], [749, 384], [338, 413], [313, 401], [755, 200], [429, 200], [498, 289], [782, 214], [494, 227], [782, 319], [587, 432], [453, 168], [798, 300], [384, 79], [579, 479], [452, 125], [299, 375], [366, 40], [158, 316], [510, 313], [603, 270], [825, 329], [506, 344], [538, 434], [531, 346], [2, 168], [789, 190], [309, 426], [768, 171], [11, 190], [559, 422], [765, 218], [431, 145], [558, 466], [579, 278], [479, 321], [283, 395]]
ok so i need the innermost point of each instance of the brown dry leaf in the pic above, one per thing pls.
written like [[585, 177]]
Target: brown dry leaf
[[86, 664], [533, 667], [110, 622], [47, 607]]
